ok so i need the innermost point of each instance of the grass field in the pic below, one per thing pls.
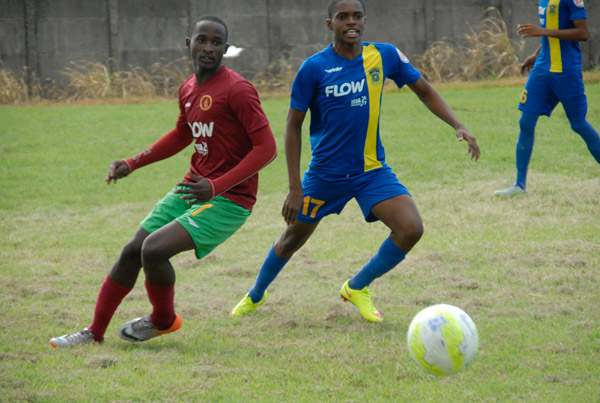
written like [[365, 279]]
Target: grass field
[[525, 269]]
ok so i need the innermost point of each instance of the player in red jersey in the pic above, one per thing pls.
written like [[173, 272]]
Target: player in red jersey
[[220, 112]]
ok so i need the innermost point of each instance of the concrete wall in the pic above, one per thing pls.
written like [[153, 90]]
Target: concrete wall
[[45, 35]]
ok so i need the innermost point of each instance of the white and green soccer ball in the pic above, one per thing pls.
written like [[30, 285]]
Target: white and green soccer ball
[[443, 339]]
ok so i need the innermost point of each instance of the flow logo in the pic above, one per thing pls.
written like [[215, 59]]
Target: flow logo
[[200, 129], [345, 89]]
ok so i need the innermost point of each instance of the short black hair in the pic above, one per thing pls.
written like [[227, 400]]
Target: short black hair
[[209, 18], [333, 3]]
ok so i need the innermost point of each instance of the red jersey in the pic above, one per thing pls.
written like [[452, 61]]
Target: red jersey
[[220, 113]]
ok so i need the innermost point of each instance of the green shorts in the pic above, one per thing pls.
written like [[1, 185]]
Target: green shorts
[[209, 224]]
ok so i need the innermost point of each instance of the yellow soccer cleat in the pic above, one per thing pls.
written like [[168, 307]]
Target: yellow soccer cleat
[[246, 306], [362, 300]]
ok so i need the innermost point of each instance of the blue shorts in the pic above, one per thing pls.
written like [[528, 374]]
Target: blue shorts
[[324, 195], [544, 90]]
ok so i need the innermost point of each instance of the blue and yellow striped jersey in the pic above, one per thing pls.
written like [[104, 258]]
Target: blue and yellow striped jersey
[[558, 55], [344, 97]]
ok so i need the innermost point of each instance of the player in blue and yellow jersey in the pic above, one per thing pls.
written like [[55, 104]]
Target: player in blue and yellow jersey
[[342, 86], [555, 77]]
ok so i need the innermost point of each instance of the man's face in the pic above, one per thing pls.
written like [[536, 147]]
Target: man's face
[[347, 21], [207, 45]]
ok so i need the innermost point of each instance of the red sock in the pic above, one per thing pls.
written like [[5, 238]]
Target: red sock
[[162, 300], [110, 297]]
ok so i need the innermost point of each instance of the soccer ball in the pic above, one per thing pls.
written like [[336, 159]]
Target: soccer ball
[[442, 339]]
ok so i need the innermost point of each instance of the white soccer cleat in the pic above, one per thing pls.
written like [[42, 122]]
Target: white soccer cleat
[[511, 191], [72, 339]]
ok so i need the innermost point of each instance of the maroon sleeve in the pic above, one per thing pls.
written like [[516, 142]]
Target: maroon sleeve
[[168, 145], [264, 151]]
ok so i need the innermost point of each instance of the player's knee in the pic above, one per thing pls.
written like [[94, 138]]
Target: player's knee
[[527, 123], [579, 126], [414, 233], [151, 252], [407, 236], [287, 245], [410, 234], [132, 250]]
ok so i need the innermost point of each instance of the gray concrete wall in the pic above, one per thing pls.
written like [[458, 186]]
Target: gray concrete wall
[[45, 35]]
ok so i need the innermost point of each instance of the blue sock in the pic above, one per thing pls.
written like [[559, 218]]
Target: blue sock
[[524, 150], [386, 258], [267, 273], [589, 135]]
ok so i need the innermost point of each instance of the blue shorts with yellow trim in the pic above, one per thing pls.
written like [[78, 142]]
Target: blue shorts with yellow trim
[[209, 224], [544, 90], [328, 195]]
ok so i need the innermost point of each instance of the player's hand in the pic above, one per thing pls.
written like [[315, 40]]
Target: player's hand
[[528, 63], [198, 191], [529, 30], [473, 150], [117, 170], [291, 206]]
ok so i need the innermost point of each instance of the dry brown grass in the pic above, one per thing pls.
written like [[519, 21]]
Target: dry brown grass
[[591, 76], [89, 81], [86, 80], [17, 89], [93, 80], [278, 77], [12, 87], [487, 53], [487, 56], [168, 75]]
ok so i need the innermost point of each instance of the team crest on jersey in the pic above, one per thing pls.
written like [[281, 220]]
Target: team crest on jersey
[[402, 56], [578, 3], [205, 102], [552, 9], [375, 74]]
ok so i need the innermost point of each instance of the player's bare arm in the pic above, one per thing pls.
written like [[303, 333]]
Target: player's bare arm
[[436, 104], [579, 33], [198, 191], [293, 149], [117, 170]]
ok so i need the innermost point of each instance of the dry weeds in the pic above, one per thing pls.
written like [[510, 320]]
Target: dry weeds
[[486, 56], [278, 77], [19, 89], [487, 53], [93, 80]]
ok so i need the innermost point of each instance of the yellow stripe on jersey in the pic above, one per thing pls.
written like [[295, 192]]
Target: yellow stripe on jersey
[[552, 23], [374, 74]]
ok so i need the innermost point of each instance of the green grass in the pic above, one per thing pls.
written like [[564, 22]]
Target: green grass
[[525, 269]]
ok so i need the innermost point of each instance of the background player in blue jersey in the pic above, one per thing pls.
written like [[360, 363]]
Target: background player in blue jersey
[[342, 86], [555, 77]]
